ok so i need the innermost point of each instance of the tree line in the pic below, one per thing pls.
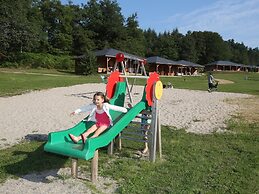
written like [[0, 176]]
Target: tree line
[[37, 29]]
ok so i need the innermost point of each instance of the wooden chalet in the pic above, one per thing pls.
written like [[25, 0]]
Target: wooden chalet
[[106, 59], [172, 68], [230, 66], [189, 68], [162, 66]]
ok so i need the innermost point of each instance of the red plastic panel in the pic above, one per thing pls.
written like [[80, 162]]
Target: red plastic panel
[[153, 78], [111, 84]]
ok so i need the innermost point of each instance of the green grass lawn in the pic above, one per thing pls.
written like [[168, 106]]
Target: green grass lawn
[[191, 163], [17, 83], [12, 83], [243, 82]]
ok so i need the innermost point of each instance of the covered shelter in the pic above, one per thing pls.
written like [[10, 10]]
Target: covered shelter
[[189, 68], [163, 66], [224, 66], [106, 59], [251, 68]]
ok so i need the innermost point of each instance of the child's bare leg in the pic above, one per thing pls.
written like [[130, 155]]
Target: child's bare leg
[[89, 131], [99, 131]]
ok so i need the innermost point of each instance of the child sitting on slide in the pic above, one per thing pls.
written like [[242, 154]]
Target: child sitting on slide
[[99, 114]]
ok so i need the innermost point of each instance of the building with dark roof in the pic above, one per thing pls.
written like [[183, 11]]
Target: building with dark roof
[[169, 67], [230, 66], [223, 66], [106, 59], [189, 68], [162, 66]]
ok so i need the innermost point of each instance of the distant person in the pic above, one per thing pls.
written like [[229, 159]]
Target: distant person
[[100, 114], [213, 84]]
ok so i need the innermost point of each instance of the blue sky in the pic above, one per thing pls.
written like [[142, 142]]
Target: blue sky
[[232, 19]]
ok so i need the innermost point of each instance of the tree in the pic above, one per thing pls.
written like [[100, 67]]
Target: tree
[[150, 42], [188, 48], [239, 52], [167, 46], [106, 22], [17, 32], [57, 24], [134, 37]]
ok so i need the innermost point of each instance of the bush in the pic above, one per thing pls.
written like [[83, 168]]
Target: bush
[[9, 64], [39, 60]]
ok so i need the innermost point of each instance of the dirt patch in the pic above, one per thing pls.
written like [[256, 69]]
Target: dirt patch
[[248, 108], [224, 81]]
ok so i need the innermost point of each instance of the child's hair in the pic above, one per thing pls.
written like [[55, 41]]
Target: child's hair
[[106, 99]]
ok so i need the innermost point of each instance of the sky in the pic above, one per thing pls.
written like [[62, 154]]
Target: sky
[[232, 19]]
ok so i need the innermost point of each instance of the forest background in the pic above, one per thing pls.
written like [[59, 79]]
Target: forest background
[[48, 34]]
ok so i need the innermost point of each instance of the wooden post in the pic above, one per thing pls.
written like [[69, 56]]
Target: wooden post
[[110, 148], [74, 169], [94, 167], [119, 142], [152, 155], [159, 138]]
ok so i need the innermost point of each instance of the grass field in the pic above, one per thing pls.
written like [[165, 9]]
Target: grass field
[[12, 83], [18, 82], [213, 163]]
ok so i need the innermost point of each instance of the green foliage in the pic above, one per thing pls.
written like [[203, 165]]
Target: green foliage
[[40, 60]]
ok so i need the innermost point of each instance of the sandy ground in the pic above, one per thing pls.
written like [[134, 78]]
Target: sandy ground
[[34, 115]]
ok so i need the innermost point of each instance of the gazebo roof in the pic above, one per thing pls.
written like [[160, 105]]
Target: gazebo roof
[[160, 60], [225, 63], [110, 52], [189, 64]]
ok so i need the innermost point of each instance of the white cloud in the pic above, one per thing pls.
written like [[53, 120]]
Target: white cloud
[[237, 19]]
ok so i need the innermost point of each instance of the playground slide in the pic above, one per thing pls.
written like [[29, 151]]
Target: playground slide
[[60, 143]]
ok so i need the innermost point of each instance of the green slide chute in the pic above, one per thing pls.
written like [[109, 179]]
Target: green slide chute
[[60, 143]]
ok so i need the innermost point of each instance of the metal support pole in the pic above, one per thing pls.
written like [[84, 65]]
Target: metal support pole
[[134, 79], [143, 66], [127, 82]]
